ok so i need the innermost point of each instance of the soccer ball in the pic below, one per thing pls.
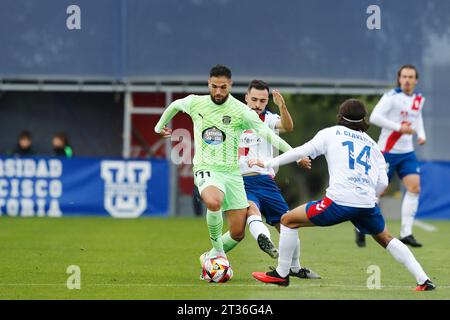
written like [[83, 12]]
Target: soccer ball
[[217, 269]]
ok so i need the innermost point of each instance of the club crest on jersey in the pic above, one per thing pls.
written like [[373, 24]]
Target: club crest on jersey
[[226, 119], [213, 136]]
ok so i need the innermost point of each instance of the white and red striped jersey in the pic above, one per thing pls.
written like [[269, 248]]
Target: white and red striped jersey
[[393, 109], [253, 147]]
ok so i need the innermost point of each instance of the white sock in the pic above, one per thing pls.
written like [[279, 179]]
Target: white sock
[[288, 242], [402, 254], [409, 209], [257, 226], [295, 264]]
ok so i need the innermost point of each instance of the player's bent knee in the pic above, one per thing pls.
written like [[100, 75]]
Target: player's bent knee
[[287, 221], [383, 238], [237, 236], [213, 204], [215, 207], [284, 220], [253, 211], [386, 240], [412, 183]]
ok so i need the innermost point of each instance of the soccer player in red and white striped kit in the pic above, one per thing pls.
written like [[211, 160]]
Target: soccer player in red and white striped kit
[[399, 114]]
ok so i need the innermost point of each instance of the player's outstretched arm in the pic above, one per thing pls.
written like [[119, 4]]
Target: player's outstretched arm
[[253, 122], [287, 157], [175, 107], [313, 148], [291, 156]]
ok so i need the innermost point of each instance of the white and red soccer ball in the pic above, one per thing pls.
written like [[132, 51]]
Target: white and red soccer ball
[[217, 269]]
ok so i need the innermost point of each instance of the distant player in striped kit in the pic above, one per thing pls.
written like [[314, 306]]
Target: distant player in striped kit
[[399, 114]]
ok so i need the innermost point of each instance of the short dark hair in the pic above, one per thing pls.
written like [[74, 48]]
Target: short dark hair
[[219, 70], [258, 85], [25, 135], [353, 115], [406, 66]]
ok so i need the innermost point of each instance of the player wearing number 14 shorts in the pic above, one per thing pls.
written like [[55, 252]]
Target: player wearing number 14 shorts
[[357, 171]]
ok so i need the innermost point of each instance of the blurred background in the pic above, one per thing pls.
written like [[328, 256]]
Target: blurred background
[[86, 81]]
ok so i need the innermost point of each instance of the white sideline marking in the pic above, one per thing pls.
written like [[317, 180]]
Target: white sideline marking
[[425, 226], [262, 285]]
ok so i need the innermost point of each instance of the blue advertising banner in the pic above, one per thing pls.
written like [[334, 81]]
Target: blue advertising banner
[[434, 202], [57, 187]]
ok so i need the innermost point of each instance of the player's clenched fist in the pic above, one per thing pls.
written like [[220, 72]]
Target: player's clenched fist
[[406, 128], [304, 163], [421, 141], [165, 132]]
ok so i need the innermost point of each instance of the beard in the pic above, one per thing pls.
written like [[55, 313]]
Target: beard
[[219, 101]]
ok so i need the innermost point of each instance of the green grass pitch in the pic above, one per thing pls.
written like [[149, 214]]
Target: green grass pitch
[[157, 258]]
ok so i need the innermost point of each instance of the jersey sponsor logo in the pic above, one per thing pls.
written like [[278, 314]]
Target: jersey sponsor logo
[[213, 136], [248, 138], [226, 119], [125, 187]]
